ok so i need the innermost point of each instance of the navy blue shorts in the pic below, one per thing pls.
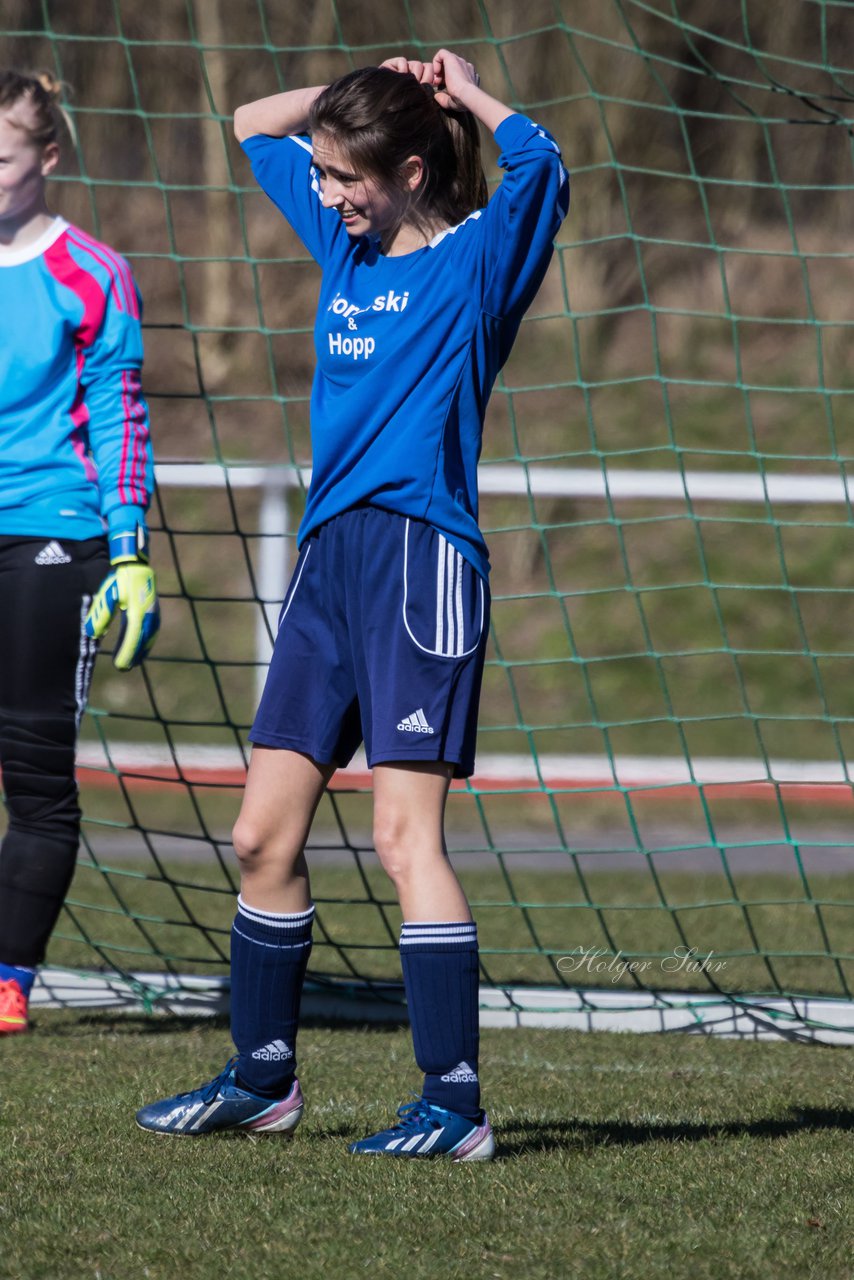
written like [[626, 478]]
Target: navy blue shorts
[[382, 638]]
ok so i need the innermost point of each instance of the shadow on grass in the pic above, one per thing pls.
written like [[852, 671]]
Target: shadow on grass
[[519, 1138]]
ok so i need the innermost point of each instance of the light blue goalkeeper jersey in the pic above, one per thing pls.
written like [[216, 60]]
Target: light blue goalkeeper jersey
[[408, 347], [74, 442]]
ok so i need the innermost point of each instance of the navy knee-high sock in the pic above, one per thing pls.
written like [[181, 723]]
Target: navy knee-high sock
[[440, 973], [269, 956]]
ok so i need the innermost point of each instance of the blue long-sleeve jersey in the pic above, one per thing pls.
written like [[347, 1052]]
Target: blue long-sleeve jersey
[[408, 347], [75, 452]]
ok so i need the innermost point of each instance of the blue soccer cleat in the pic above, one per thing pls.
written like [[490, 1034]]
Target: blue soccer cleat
[[427, 1130], [222, 1104]]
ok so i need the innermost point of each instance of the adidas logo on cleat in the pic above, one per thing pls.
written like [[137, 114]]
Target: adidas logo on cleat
[[461, 1074], [415, 723], [53, 553], [274, 1052]]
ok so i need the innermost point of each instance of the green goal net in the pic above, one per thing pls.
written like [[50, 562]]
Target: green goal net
[[659, 827]]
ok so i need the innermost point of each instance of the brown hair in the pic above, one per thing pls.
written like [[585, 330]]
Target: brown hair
[[42, 93], [381, 117]]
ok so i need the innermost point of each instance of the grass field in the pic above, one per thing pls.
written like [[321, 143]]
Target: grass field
[[618, 1156]]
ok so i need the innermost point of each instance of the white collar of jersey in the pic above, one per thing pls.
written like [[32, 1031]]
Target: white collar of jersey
[[451, 231], [14, 257], [376, 241]]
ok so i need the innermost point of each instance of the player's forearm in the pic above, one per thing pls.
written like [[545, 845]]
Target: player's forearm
[[120, 441], [277, 116], [488, 110]]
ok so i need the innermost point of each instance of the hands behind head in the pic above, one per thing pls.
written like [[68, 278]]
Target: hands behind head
[[448, 73], [452, 75], [423, 71]]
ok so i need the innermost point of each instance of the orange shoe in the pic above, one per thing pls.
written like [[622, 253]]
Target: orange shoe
[[14, 1008]]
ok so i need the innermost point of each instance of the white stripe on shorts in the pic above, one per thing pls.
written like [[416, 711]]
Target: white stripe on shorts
[[440, 594], [450, 639], [452, 629], [458, 606]]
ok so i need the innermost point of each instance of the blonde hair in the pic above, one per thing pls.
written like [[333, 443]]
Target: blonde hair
[[42, 92]]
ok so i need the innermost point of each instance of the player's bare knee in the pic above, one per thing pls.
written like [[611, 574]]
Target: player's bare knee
[[391, 840], [403, 848], [399, 871], [249, 843], [259, 849], [393, 852]]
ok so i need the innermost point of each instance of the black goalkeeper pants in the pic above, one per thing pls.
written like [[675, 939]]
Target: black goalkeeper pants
[[46, 661]]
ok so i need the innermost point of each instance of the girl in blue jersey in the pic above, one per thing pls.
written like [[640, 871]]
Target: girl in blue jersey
[[383, 629], [75, 461]]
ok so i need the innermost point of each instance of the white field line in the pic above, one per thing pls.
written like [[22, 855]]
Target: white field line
[[623, 770]]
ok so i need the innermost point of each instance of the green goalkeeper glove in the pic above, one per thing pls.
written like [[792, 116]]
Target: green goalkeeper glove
[[131, 589]]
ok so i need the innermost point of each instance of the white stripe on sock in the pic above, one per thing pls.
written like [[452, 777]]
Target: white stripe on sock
[[433, 938], [275, 919], [274, 946], [451, 934], [412, 934], [448, 939], [438, 926]]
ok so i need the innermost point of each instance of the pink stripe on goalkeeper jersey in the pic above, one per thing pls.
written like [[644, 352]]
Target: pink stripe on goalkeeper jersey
[[68, 272], [132, 469], [62, 267], [114, 264], [140, 431], [79, 415]]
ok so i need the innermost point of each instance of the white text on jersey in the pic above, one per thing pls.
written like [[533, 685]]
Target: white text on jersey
[[356, 348], [390, 301]]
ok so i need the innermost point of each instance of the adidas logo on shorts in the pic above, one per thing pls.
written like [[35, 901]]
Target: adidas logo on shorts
[[415, 723], [274, 1052], [53, 553], [461, 1074]]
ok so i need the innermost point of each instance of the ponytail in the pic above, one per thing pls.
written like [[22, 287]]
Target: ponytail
[[470, 189]]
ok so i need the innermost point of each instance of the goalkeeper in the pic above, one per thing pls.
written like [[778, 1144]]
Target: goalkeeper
[[75, 460]]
